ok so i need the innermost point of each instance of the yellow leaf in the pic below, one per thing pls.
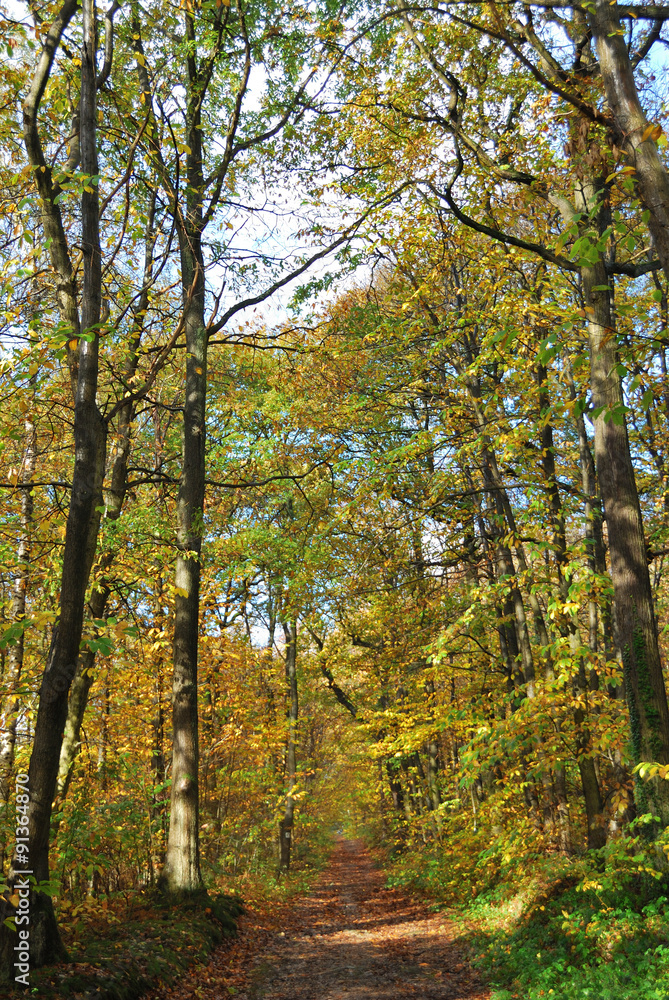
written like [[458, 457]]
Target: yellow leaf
[[625, 170], [652, 131]]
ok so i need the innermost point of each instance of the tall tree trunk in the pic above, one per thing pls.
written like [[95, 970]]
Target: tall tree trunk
[[158, 768], [635, 613], [432, 757], [395, 785], [596, 828], [632, 593], [76, 705], [593, 527], [182, 862], [634, 134], [182, 865], [505, 568], [80, 536], [114, 498], [286, 824], [432, 751], [594, 807], [633, 600]]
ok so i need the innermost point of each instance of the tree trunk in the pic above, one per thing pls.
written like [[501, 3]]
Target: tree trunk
[[593, 528], [633, 600], [432, 751], [114, 498], [158, 769], [395, 785], [79, 549], [589, 782], [505, 568], [594, 807], [76, 706], [633, 132], [182, 864], [286, 824], [632, 594], [432, 756]]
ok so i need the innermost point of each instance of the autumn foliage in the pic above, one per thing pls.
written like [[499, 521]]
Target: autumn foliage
[[333, 448]]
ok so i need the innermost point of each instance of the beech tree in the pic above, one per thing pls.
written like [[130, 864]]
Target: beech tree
[[82, 324], [83, 330], [214, 183], [439, 99], [416, 529]]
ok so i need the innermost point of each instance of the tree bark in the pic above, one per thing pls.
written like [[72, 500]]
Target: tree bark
[[633, 599], [182, 861], [80, 533], [182, 865], [632, 593], [593, 528], [596, 828], [594, 807], [114, 498], [286, 824], [632, 127]]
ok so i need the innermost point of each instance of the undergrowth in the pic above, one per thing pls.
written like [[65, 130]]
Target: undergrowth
[[123, 944], [537, 926], [264, 882], [119, 954]]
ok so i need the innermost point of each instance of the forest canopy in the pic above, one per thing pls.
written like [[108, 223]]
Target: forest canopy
[[334, 443]]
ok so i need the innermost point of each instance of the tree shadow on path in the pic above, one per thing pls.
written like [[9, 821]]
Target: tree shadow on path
[[357, 940]]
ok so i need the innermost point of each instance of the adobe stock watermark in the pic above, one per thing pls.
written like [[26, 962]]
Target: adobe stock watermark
[[54, 683], [21, 886]]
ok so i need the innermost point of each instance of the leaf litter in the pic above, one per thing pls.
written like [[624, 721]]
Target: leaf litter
[[351, 938]]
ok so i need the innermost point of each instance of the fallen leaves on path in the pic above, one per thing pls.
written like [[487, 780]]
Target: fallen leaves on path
[[350, 939]]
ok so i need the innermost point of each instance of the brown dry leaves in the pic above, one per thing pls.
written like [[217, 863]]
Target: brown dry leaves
[[351, 939]]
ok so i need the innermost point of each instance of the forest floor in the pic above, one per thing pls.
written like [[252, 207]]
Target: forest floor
[[349, 939]]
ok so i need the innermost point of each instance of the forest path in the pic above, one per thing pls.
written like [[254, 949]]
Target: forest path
[[350, 939], [356, 940]]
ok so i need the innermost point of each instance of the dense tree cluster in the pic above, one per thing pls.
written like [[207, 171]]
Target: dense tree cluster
[[400, 551]]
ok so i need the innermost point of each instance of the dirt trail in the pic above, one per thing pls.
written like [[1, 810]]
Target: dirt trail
[[360, 941], [350, 939]]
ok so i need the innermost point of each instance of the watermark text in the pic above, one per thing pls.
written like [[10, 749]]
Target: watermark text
[[21, 884]]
